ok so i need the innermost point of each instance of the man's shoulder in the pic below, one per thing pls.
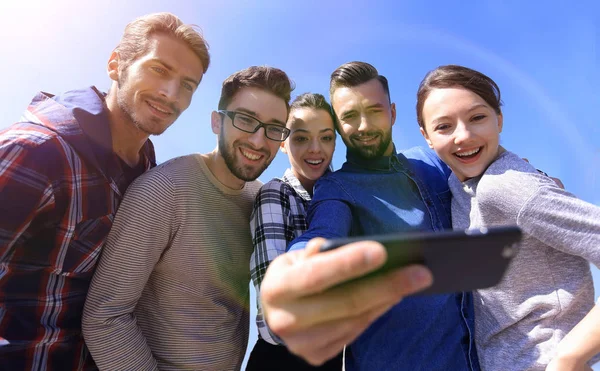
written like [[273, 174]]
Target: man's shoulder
[[29, 135], [427, 166], [170, 172], [335, 178], [426, 158], [34, 146], [253, 187]]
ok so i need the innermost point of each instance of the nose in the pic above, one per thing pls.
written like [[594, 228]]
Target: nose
[[258, 139], [462, 134], [314, 146], [364, 123], [169, 89]]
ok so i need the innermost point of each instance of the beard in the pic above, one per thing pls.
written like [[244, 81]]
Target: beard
[[240, 171], [369, 152], [149, 126]]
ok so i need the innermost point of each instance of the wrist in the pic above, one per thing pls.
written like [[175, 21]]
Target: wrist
[[572, 359]]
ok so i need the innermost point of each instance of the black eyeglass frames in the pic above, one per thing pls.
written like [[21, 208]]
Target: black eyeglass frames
[[249, 124]]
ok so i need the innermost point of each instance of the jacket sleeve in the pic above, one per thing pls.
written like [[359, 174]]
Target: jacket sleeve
[[329, 213]]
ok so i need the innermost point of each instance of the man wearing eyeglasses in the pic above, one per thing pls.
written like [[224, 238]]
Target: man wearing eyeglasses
[[171, 287]]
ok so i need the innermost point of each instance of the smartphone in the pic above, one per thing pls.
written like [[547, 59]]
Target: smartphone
[[459, 260]]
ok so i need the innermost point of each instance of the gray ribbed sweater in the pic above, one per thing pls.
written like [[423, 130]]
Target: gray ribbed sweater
[[548, 287]]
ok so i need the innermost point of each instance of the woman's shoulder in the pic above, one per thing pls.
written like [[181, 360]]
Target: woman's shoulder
[[510, 179], [511, 170], [277, 187]]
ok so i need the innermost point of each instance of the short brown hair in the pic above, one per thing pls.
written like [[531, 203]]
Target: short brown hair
[[135, 40], [267, 78], [452, 76], [352, 74]]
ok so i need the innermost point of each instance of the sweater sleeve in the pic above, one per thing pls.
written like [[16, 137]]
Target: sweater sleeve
[[561, 220], [513, 191], [142, 230]]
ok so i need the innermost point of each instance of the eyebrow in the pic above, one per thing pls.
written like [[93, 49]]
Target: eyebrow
[[478, 105], [253, 114], [345, 114], [320, 131], [473, 108], [375, 105], [441, 118], [170, 68]]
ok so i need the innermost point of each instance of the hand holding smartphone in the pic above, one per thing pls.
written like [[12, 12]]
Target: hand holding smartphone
[[459, 260]]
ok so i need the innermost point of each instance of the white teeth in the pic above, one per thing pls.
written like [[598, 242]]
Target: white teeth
[[314, 162], [250, 155], [158, 109], [469, 153]]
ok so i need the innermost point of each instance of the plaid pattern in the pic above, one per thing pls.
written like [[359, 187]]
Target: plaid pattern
[[279, 216], [59, 191]]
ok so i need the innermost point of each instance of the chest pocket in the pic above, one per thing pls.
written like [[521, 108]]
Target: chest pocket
[[445, 198], [86, 245]]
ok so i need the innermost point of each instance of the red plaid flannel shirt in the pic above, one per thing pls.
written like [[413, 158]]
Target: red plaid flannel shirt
[[60, 186]]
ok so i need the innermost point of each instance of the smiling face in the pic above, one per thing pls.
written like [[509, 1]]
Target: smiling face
[[247, 155], [310, 145], [365, 117], [155, 88], [462, 129]]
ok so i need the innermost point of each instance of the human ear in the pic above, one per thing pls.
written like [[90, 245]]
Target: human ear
[[424, 134], [113, 66], [216, 122], [282, 147]]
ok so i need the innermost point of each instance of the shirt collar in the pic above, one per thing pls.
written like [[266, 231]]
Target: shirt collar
[[88, 108], [291, 179]]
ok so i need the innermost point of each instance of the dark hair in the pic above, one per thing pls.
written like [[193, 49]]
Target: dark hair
[[352, 74], [458, 76], [135, 40], [267, 78], [313, 100]]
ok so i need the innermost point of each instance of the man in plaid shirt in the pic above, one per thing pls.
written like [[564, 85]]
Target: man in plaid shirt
[[64, 169]]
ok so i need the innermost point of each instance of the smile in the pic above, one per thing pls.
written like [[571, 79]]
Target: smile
[[468, 153], [314, 162], [161, 110], [250, 156]]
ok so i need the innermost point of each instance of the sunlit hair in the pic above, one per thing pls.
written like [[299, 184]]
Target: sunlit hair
[[267, 78], [352, 74], [454, 76], [136, 38], [315, 101]]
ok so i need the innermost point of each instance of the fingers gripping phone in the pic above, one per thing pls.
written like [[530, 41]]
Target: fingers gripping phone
[[459, 260]]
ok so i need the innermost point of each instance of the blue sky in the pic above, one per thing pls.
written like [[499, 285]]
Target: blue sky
[[543, 55]]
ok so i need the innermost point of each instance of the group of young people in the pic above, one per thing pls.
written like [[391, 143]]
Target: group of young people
[[110, 262]]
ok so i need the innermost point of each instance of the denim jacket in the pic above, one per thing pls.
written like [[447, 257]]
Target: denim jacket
[[402, 192]]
